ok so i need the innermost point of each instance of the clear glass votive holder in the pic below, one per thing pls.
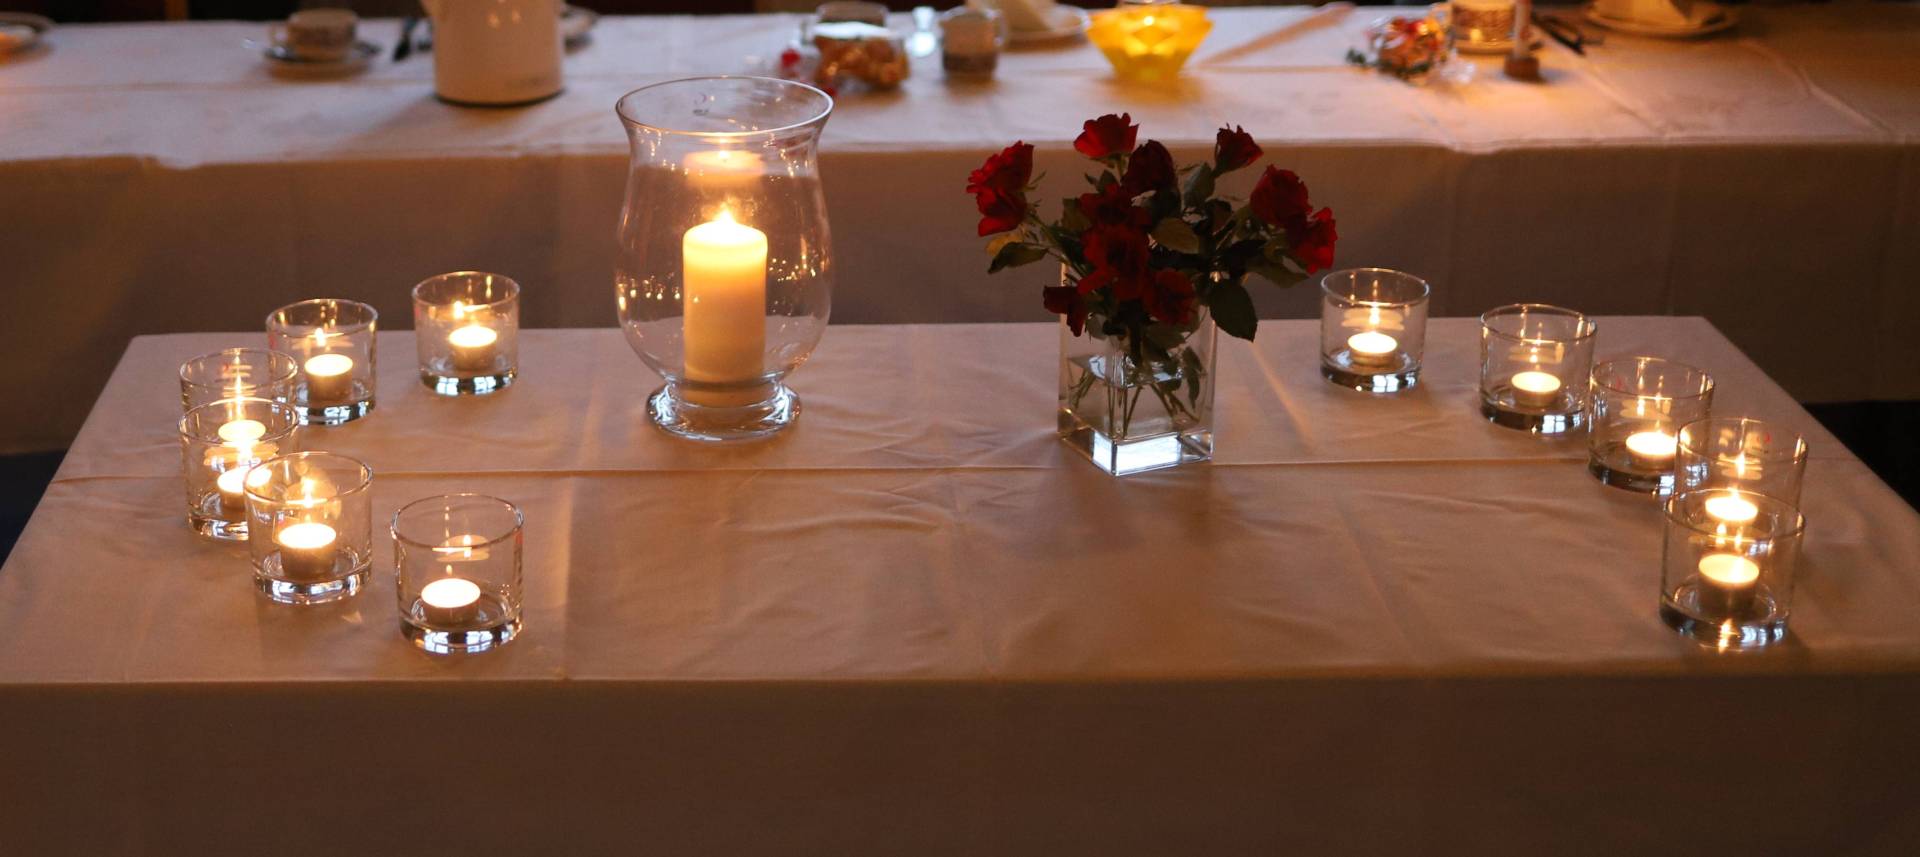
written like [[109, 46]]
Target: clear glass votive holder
[[1743, 454], [237, 373], [1534, 363], [1635, 410], [220, 441], [1727, 580], [1373, 328], [312, 519], [456, 561], [333, 342], [467, 328]]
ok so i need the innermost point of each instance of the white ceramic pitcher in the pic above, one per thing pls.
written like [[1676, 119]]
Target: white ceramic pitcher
[[496, 52]]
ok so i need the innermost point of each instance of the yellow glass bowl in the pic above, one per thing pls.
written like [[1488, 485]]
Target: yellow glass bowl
[[1149, 43]]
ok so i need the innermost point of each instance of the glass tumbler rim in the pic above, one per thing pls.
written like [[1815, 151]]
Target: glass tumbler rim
[[1706, 387], [519, 518], [277, 318], [1346, 297], [512, 290], [289, 424], [1690, 443], [365, 481], [622, 109], [1766, 502], [1585, 328], [282, 358]]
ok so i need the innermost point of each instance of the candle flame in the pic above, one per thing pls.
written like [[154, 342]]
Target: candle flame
[[459, 310], [320, 339]]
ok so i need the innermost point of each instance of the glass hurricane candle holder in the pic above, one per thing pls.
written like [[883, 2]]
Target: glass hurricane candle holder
[[725, 274], [1727, 582], [1741, 454], [237, 373], [333, 342], [1373, 329], [1635, 410], [466, 326], [220, 442], [1534, 362], [456, 562], [311, 519]]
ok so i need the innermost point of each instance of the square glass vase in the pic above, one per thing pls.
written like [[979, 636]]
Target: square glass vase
[[1133, 408]]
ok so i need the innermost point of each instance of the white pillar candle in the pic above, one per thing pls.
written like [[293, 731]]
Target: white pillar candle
[[1372, 348], [1652, 449], [1727, 584], [723, 170], [725, 309], [1535, 389], [1732, 509], [473, 347], [329, 378], [450, 602], [307, 551]]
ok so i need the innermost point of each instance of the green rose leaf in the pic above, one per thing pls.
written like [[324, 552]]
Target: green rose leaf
[[1233, 310], [1015, 254], [1274, 272], [1175, 234], [1199, 186]]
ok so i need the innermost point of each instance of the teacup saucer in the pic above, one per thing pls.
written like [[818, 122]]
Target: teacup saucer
[[284, 61], [1490, 46]]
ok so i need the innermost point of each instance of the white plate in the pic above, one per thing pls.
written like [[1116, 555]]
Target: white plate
[[1721, 20], [1072, 24], [283, 61], [20, 30], [576, 23]]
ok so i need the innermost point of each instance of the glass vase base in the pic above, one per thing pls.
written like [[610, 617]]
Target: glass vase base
[[1135, 455], [671, 410], [1728, 635], [1620, 475], [216, 528], [1536, 422], [466, 385], [335, 414], [465, 641], [1371, 382], [284, 591]]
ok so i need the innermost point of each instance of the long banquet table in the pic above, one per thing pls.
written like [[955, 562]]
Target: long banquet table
[[919, 624], [158, 178]]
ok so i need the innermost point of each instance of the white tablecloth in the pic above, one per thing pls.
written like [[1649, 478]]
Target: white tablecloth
[[918, 624], [158, 178]]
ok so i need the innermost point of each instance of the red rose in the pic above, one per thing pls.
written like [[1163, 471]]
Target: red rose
[[1150, 168], [1170, 297], [1313, 240], [1106, 136], [1114, 206], [1065, 300], [1280, 198], [1118, 255], [1233, 149], [999, 188]]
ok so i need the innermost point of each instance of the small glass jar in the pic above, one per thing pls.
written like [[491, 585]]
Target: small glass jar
[[311, 514], [456, 561], [1635, 410], [1727, 575], [237, 373], [1742, 454], [1534, 362], [332, 340], [971, 39], [1373, 329], [466, 326], [220, 441]]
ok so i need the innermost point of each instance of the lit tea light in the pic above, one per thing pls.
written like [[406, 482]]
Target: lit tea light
[[450, 602], [473, 347], [1727, 584], [307, 550], [1652, 450], [233, 485], [329, 377], [1732, 508], [1372, 348], [240, 432], [1535, 389]]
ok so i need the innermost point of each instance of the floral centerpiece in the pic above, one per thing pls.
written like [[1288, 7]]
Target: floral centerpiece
[[1151, 261]]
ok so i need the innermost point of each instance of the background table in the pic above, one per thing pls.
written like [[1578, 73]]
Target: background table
[[919, 624], [158, 178]]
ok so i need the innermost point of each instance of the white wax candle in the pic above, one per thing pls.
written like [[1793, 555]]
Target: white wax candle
[[307, 550], [1535, 389], [1732, 508], [1652, 450], [233, 485], [238, 432], [1727, 584], [329, 377], [723, 169], [473, 347], [725, 311], [1372, 348], [450, 602]]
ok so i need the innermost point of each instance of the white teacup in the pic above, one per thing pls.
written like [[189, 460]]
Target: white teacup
[[316, 34]]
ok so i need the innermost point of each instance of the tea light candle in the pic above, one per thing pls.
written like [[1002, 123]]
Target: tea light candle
[[473, 347], [450, 602], [1535, 389], [307, 550], [1652, 450], [241, 432], [233, 485], [329, 377], [1732, 508], [1727, 584], [724, 320], [1372, 348]]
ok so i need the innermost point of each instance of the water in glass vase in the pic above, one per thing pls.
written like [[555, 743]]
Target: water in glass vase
[[1130, 410]]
